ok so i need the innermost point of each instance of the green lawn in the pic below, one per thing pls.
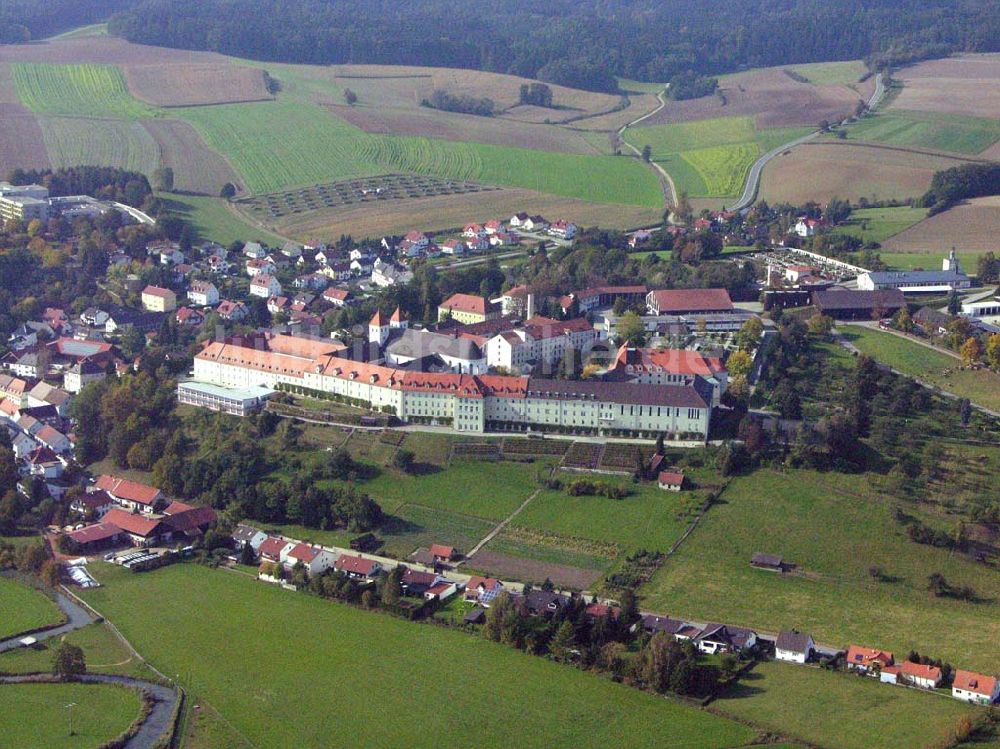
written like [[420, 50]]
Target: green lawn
[[23, 608], [216, 222], [934, 130], [843, 73], [104, 653], [878, 224], [82, 90], [373, 680], [35, 715], [710, 158], [642, 87], [927, 261], [841, 711], [834, 527], [981, 386], [280, 144]]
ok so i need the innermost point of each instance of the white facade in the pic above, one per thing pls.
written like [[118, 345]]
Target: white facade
[[203, 294], [265, 286]]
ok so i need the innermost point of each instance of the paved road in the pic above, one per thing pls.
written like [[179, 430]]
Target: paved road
[[76, 617], [753, 178]]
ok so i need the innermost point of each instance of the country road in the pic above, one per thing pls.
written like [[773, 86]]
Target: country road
[[665, 178], [753, 176]]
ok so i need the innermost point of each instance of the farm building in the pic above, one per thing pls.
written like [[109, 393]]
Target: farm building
[[845, 304], [688, 301], [914, 281], [671, 481]]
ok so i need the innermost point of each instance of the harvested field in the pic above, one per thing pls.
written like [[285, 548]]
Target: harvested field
[[465, 127], [956, 85], [197, 168], [194, 85], [820, 171], [972, 226], [104, 50], [449, 211], [529, 570], [22, 144], [772, 97], [75, 140], [639, 104]]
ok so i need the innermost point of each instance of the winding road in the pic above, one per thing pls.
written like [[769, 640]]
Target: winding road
[[665, 179], [159, 720]]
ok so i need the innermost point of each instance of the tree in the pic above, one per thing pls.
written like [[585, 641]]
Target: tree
[[954, 303], [824, 125], [228, 191], [247, 555], [34, 227], [563, 642], [739, 364], [68, 662], [748, 337], [820, 324], [971, 351], [631, 329], [392, 587], [403, 460], [902, 321], [937, 584], [163, 179], [50, 572], [993, 351], [647, 153], [350, 97]]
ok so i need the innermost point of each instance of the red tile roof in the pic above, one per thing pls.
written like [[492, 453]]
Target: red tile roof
[[440, 550], [158, 292], [271, 547], [970, 681], [137, 525], [671, 477], [673, 361], [467, 303], [131, 491], [920, 671], [304, 553], [488, 583], [691, 300], [862, 656], [356, 565], [92, 533]]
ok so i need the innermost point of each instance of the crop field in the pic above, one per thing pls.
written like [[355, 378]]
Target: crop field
[[840, 711], [36, 715], [371, 701], [981, 386], [23, 144], [964, 85], [412, 526], [196, 85], [971, 227], [277, 145], [931, 130], [878, 224], [524, 564], [77, 90], [821, 170], [197, 168], [833, 527], [75, 140], [23, 608], [773, 98], [710, 158]]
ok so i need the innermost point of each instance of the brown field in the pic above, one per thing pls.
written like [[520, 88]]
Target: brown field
[[956, 85], [197, 168], [972, 226], [505, 566], [464, 127], [21, 144], [106, 50], [195, 85], [639, 104], [820, 171], [772, 97], [449, 211]]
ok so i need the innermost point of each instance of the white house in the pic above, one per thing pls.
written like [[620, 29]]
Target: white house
[[912, 674], [315, 559], [274, 549], [722, 638], [245, 534], [794, 647], [254, 250], [453, 247], [259, 266], [265, 285], [563, 229], [203, 294], [976, 688], [806, 227]]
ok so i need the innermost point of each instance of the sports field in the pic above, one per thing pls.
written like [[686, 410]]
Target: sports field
[[878, 224], [981, 386], [840, 711], [932, 130], [23, 608], [710, 158], [834, 528], [35, 715], [374, 680]]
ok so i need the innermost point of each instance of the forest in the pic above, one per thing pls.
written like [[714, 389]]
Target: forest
[[583, 44], [28, 20]]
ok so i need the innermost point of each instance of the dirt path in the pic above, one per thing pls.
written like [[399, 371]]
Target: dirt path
[[666, 181], [503, 524]]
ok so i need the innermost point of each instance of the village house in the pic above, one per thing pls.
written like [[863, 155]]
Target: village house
[[245, 534], [92, 504], [670, 481], [131, 495], [189, 316], [274, 550], [912, 674], [157, 299], [336, 296], [53, 439], [482, 590], [258, 267], [544, 603], [96, 537], [806, 227], [562, 229], [232, 311], [794, 647], [203, 294], [651, 623], [969, 686], [443, 554], [357, 567], [45, 463], [867, 660], [254, 250], [44, 394], [313, 558], [723, 638], [140, 530], [265, 286]]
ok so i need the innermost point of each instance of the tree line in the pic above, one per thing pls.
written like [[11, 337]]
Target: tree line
[[26, 20], [950, 186], [581, 44]]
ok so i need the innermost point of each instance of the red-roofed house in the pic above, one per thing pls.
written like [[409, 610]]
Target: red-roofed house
[[482, 590], [977, 688], [688, 301], [188, 519], [314, 559], [357, 567], [441, 591], [597, 611], [131, 494], [45, 463], [468, 308], [93, 504], [275, 549], [867, 659], [95, 537], [913, 674], [442, 553], [671, 481], [141, 531]]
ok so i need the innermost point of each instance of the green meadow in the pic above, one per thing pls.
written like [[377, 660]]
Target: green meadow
[[83, 90], [23, 608], [932, 130], [878, 224]]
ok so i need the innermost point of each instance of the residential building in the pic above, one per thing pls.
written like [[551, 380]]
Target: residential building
[[562, 229], [81, 373], [157, 299], [203, 294], [45, 463], [189, 316], [652, 624], [468, 308], [258, 267], [724, 638], [232, 311], [336, 296], [670, 481], [53, 439], [357, 567], [866, 660], [92, 504], [969, 686], [245, 534], [483, 590], [131, 495], [912, 674], [794, 647], [313, 558], [254, 250], [265, 285], [274, 549]]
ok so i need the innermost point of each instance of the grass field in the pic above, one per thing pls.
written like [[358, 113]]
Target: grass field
[[933, 130], [104, 653], [215, 221], [35, 715], [710, 158], [374, 680], [276, 145], [23, 608], [71, 141], [834, 527], [926, 260], [840, 711], [78, 90], [980, 386], [878, 224]]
